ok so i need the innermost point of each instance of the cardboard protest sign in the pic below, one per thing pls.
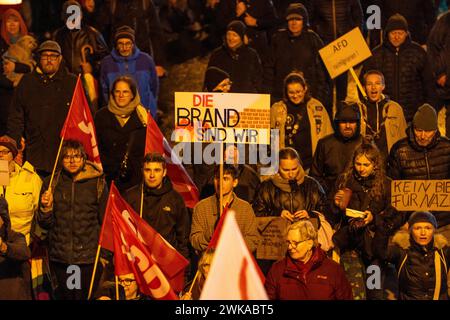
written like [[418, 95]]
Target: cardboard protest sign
[[222, 117], [413, 195], [272, 245], [345, 52]]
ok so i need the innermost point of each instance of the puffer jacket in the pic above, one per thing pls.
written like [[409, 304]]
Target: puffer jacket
[[139, 65], [38, 111], [165, 211], [406, 72], [74, 221], [243, 66], [325, 280], [409, 161], [415, 264], [300, 53], [71, 42], [272, 199], [332, 19]]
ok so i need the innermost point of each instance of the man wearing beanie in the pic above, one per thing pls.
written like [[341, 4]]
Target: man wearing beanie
[[127, 59], [72, 42], [334, 151], [423, 155], [241, 62], [40, 106], [297, 48], [421, 256], [404, 66]]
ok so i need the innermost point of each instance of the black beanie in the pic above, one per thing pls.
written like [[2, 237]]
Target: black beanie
[[425, 118], [347, 112], [213, 77], [422, 216], [396, 22], [124, 32], [297, 10], [238, 27]]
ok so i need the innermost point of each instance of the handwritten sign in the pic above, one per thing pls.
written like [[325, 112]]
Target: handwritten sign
[[413, 195], [345, 52], [272, 245], [222, 117]]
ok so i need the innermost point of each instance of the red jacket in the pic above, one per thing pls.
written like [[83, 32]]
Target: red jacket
[[324, 281]]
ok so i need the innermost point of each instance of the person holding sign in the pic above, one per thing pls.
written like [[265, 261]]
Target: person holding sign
[[301, 119], [306, 273], [365, 188], [423, 155], [421, 256]]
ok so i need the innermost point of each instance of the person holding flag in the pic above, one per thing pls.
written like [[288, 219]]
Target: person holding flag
[[71, 209], [207, 212], [160, 205]]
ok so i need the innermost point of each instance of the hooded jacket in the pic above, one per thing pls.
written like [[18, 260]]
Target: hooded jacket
[[416, 265], [141, 66], [14, 267], [325, 280], [75, 219], [165, 211]]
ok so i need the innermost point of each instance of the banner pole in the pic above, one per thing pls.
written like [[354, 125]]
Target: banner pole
[[93, 272], [116, 278], [358, 83], [221, 179]]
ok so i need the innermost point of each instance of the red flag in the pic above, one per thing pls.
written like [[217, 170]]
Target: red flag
[[139, 249], [215, 237], [182, 183], [79, 124]]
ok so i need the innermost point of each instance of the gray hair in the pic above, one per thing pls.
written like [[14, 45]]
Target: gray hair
[[306, 230]]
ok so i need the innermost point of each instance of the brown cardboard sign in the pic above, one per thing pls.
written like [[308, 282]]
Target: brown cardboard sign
[[413, 195], [272, 245]]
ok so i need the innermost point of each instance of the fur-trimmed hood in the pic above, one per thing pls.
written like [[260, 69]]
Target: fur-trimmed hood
[[402, 239]]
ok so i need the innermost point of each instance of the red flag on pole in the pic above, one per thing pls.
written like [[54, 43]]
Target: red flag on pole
[[139, 249], [182, 183], [79, 124]]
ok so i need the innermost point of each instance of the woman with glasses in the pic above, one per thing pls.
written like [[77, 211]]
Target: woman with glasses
[[121, 129], [306, 273], [301, 119], [71, 210]]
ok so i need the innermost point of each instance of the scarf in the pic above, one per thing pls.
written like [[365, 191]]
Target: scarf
[[123, 112], [285, 184]]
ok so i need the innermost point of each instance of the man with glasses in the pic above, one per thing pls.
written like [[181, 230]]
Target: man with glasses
[[306, 273], [127, 59], [72, 210], [39, 108]]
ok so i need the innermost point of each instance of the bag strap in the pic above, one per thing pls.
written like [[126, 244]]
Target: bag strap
[[437, 268], [401, 265]]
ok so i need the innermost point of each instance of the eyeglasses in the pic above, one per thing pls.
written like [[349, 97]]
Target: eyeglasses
[[4, 152], [75, 158], [50, 57], [125, 45], [125, 93], [295, 244], [126, 282]]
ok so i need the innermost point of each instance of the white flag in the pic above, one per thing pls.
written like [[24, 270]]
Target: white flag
[[233, 274]]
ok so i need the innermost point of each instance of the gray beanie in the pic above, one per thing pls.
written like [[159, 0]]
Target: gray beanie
[[425, 118], [49, 45], [422, 216]]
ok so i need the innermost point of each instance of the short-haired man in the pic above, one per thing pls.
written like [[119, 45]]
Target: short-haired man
[[382, 118], [72, 210], [206, 212], [163, 207]]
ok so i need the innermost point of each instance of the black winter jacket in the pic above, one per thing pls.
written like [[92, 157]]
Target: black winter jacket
[[38, 111], [165, 211], [302, 54], [74, 221], [417, 276], [243, 66], [14, 266], [71, 42], [406, 72], [332, 19], [113, 143]]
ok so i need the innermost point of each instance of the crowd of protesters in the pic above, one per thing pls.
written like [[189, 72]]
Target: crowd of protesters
[[337, 149]]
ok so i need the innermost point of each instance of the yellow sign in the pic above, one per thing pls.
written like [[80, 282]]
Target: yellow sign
[[413, 195], [345, 52], [222, 117]]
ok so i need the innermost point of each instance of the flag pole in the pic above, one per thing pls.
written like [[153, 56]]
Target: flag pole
[[117, 286], [62, 136], [142, 200], [221, 179], [193, 281]]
